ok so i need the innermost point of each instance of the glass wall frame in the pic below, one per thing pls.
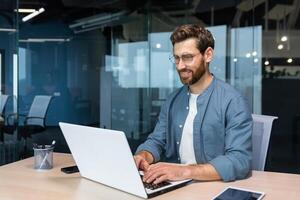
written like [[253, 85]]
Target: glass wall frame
[[10, 146]]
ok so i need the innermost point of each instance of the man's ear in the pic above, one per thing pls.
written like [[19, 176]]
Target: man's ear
[[208, 54]]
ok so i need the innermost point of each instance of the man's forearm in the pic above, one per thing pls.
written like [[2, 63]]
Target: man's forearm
[[203, 172], [147, 155]]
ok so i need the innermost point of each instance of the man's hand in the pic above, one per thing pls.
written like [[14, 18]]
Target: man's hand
[[160, 172], [141, 162], [143, 159]]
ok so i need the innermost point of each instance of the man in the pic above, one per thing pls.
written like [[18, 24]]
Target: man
[[205, 127]]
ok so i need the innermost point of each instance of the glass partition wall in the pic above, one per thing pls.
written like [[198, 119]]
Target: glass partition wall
[[66, 66], [9, 145], [106, 64], [142, 75]]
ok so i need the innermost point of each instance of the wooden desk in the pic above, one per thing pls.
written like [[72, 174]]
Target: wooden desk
[[20, 181]]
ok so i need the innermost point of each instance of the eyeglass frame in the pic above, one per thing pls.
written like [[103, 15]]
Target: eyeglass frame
[[183, 58]]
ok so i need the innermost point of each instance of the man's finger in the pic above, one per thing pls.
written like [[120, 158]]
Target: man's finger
[[153, 175], [160, 179], [151, 170], [144, 165], [137, 161]]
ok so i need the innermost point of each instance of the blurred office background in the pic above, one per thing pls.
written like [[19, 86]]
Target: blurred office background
[[104, 63]]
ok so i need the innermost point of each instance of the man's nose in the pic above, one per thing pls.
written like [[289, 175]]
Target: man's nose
[[180, 65]]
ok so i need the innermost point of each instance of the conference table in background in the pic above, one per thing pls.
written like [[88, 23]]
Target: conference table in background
[[20, 181]]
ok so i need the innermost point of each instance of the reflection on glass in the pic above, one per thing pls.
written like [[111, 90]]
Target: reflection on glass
[[245, 75], [218, 64], [143, 76]]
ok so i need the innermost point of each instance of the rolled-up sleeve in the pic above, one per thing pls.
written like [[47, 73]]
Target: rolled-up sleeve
[[156, 141], [236, 162]]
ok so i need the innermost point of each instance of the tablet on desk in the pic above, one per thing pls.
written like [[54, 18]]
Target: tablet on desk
[[234, 193]]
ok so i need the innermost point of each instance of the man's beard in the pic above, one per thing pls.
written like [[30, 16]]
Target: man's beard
[[195, 76]]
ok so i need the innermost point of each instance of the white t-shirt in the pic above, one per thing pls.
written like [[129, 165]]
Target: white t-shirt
[[186, 148]]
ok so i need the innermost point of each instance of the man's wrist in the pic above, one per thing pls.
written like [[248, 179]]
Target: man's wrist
[[146, 155], [202, 172], [188, 172]]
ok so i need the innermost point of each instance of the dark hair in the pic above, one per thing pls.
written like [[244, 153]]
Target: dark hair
[[203, 36]]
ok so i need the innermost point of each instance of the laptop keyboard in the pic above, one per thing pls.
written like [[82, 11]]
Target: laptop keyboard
[[153, 186]]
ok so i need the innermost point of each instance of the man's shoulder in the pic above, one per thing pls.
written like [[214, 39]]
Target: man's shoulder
[[225, 89]]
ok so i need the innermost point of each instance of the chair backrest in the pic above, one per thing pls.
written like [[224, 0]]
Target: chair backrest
[[38, 108], [3, 101], [262, 126]]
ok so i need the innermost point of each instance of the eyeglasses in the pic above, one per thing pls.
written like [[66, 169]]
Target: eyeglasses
[[185, 58]]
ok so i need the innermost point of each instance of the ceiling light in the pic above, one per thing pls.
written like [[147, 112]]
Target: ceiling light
[[158, 45], [96, 18], [284, 38], [25, 10], [45, 40], [35, 13], [248, 55], [235, 60], [254, 53], [280, 46], [255, 60], [8, 30], [267, 62], [290, 60]]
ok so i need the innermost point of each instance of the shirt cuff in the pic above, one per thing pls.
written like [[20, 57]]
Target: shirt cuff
[[224, 167], [155, 153]]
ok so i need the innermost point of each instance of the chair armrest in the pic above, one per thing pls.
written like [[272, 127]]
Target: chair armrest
[[16, 114], [27, 118], [13, 116]]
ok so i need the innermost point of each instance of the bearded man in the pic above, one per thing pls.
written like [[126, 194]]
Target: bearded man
[[204, 128]]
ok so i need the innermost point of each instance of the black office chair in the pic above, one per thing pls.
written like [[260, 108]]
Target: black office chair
[[32, 123]]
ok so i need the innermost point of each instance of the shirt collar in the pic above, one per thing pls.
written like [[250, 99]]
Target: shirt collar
[[206, 91]]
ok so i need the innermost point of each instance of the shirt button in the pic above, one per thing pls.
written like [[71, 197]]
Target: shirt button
[[180, 126], [177, 142], [187, 107]]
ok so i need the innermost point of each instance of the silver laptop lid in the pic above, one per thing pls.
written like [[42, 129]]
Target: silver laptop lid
[[104, 156]]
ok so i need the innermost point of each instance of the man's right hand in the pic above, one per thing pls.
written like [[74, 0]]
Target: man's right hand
[[142, 160]]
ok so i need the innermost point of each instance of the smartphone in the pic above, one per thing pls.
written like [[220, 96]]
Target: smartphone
[[234, 193], [70, 169]]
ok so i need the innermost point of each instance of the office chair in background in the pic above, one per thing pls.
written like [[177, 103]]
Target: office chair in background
[[262, 126], [3, 102], [32, 123]]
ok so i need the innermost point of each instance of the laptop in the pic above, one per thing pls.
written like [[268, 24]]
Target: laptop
[[104, 156]]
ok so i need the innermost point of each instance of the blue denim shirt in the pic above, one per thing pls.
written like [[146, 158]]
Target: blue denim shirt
[[222, 130]]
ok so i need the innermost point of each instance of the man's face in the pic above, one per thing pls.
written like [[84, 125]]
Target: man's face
[[190, 63]]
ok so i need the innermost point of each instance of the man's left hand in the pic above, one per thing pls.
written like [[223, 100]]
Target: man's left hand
[[160, 172]]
